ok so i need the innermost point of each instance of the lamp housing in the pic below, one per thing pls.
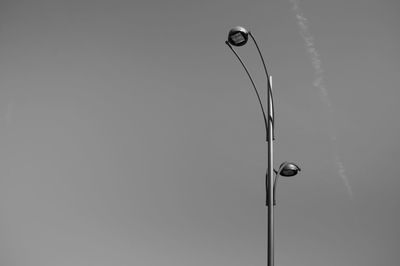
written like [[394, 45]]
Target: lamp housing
[[288, 169], [238, 36]]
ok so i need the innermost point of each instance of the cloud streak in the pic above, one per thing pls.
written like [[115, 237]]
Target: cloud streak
[[319, 83]]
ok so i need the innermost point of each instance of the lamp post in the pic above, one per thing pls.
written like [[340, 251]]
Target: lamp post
[[238, 36]]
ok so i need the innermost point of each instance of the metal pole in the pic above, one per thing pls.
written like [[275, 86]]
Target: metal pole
[[269, 123], [270, 180], [270, 173]]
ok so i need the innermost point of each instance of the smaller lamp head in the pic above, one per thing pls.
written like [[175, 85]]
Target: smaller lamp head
[[238, 36], [288, 169]]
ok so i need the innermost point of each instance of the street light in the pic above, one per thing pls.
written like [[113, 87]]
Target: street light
[[286, 169], [238, 36]]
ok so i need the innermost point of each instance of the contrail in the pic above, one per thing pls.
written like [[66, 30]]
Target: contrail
[[319, 83]]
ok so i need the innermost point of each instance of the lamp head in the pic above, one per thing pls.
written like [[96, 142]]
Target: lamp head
[[288, 169], [238, 36]]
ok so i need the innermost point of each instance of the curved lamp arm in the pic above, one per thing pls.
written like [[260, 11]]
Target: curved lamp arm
[[285, 169], [269, 85], [255, 88], [276, 182]]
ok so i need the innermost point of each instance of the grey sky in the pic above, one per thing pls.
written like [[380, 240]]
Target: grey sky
[[130, 135]]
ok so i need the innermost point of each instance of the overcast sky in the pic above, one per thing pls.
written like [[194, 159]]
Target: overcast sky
[[130, 134]]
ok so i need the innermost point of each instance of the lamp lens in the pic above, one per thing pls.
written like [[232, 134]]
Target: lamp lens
[[238, 38], [288, 172]]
